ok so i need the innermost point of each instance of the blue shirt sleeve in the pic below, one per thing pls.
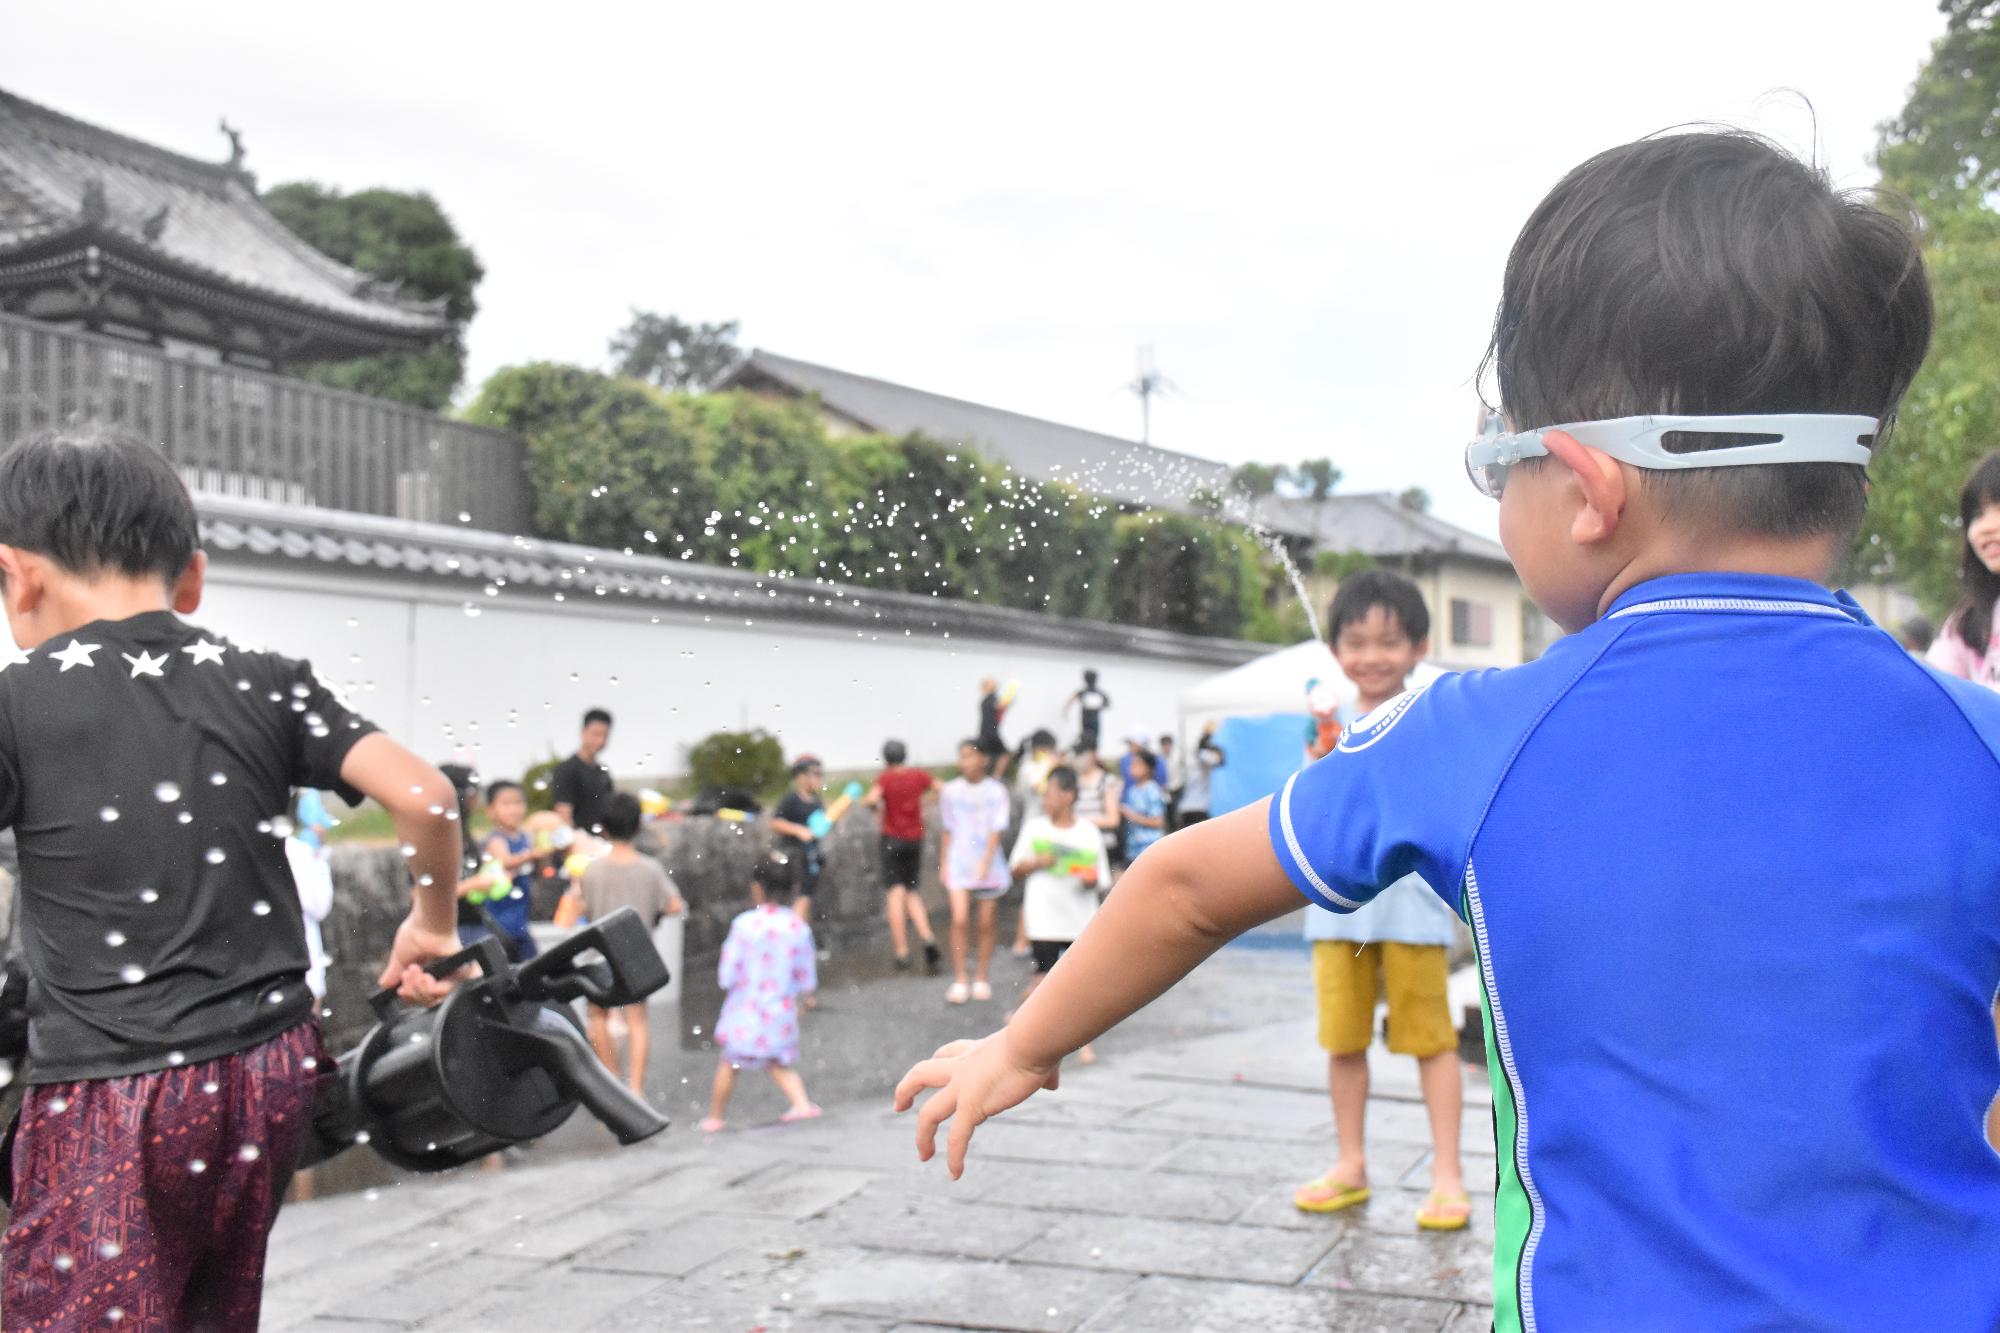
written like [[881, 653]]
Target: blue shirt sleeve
[[1405, 789]]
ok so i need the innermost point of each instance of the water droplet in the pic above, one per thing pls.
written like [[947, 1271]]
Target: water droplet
[[149, 896], [211, 1088], [59, 1105], [110, 1249], [177, 1058], [215, 856], [362, 1136], [249, 1152], [115, 938], [64, 1263], [115, 1315], [260, 908], [167, 791], [197, 1166], [109, 814], [131, 974], [218, 779], [310, 1062], [185, 817]]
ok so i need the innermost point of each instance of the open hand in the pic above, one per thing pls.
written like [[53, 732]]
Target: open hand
[[414, 948], [976, 1080]]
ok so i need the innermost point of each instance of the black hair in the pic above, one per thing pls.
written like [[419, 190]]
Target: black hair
[[972, 743], [1042, 739], [1918, 633], [805, 763], [1712, 273], [1149, 759], [1982, 586], [597, 715], [1166, 743], [493, 789], [1089, 676], [95, 499], [776, 876], [894, 752], [1063, 776], [620, 816], [1365, 589]]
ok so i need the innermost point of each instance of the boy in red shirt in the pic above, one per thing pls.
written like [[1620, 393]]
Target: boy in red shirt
[[900, 794]]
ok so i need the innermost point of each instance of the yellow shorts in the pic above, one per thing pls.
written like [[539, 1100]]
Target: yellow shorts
[[1347, 978]]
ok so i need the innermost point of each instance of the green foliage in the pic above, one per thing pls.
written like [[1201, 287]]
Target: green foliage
[[399, 238], [667, 351], [1255, 480], [1315, 478], [1416, 499], [1940, 155], [1179, 573], [1337, 565], [751, 761], [538, 784], [734, 479]]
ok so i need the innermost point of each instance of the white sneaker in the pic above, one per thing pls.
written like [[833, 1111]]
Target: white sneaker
[[957, 994], [981, 991]]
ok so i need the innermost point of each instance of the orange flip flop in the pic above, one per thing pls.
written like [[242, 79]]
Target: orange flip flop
[[1327, 1195]]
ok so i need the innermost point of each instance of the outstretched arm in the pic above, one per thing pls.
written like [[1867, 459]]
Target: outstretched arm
[[425, 808], [1188, 896]]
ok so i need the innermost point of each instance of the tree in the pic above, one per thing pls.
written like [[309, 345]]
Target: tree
[[668, 351], [1416, 499], [1315, 478], [1942, 156], [397, 237], [1255, 480]]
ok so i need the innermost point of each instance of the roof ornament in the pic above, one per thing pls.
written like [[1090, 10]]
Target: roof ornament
[[236, 153], [156, 225], [94, 207]]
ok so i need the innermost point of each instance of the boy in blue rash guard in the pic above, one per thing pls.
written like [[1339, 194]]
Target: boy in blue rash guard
[[1738, 959]]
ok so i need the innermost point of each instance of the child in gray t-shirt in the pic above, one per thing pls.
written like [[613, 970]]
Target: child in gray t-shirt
[[626, 877]]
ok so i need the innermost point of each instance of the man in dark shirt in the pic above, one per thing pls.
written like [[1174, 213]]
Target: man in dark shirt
[[580, 785], [147, 768]]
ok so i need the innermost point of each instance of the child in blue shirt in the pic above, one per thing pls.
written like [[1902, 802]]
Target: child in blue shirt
[[1144, 807], [1739, 1036]]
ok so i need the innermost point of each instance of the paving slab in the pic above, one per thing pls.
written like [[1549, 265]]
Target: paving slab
[[1118, 1191], [1187, 1249], [929, 1222], [1186, 1306]]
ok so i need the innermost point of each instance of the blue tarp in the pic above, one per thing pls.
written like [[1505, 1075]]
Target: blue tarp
[[1260, 753]]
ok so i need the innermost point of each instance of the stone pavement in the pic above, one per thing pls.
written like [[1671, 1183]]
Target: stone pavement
[[1152, 1192]]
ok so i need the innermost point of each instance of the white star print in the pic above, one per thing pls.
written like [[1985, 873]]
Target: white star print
[[10, 653], [204, 652], [77, 654], [145, 664]]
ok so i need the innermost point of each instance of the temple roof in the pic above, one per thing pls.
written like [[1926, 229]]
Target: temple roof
[[198, 221], [1118, 469]]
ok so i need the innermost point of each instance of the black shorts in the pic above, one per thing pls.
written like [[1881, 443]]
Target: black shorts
[[1047, 951], [902, 863]]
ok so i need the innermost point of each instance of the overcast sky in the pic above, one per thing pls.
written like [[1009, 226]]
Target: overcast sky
[[1304, 209]]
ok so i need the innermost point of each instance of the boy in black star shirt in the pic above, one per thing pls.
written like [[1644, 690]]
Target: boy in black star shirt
[[146, 767]]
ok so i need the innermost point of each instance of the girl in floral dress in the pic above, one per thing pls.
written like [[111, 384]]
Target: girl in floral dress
[[767, 968]]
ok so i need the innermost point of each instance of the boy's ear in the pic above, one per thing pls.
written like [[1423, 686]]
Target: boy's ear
[[23, 578], [1424, 646], [1601, 481], [188, 587]]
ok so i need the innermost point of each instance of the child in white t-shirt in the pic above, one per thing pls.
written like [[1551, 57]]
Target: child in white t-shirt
[[1063, 859]]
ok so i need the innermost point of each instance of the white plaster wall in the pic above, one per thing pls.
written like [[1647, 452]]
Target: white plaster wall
[[513, 681]]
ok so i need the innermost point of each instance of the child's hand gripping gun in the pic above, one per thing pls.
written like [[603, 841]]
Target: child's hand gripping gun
[[500, 1061]]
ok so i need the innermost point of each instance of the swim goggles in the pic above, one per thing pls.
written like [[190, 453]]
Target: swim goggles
[[1669, 443]]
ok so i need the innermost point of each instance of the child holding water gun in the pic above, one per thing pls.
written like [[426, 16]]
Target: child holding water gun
[[1064, 861]]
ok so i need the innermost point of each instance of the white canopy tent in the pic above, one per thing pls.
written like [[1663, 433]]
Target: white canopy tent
[[1273, 683], [1262, 714]]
